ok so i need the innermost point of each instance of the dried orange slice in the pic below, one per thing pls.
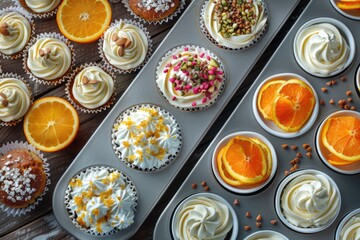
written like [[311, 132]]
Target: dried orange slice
[[341, 136], [223, 172], [266, 97], [83, 21], [293, 105], [336, 161], [348, 4], [267, 153], [244, 160], [51, 124]]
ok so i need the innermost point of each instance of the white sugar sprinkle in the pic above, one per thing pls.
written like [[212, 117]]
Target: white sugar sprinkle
[[157, 5]]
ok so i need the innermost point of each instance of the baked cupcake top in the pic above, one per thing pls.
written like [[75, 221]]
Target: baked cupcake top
[[310, 200], [92, 87], [49, 58], [203, 218], [42, 6], [22, 178], [125, 45], [190, 78], [15, 32], [351, 229], [147, 137], [234, 25], [321, 49], [154, 10], [102, 200], [15, 99]]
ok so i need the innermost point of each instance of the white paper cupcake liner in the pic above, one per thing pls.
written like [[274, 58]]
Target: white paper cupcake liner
[[16, 212], [133, 109], [70, 82], [108, 65], [257, 38], [32, 34], [14, 75], [165, 20], [66, 74], [68, 197], [207, 52], [45, 15]]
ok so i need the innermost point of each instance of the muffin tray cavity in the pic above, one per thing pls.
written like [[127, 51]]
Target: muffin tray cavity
[[150, 186], [263, 201]]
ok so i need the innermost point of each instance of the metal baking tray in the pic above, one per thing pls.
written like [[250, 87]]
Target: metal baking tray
[[150, 186], [242, 119]]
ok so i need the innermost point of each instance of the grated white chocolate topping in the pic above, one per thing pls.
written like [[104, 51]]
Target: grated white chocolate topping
[[147, 138], [17, 32], [102, 201]]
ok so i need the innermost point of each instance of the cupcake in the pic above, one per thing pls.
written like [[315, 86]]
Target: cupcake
[[146, 137], [23, 178], [15, 99], [349, 227], [338, 141], [307, 201], [101, 200], [155, 10], [324, 47], [285, 105], [234, 24], [244, 162], [92, 88], [49, 59], [190, 78], [39, 8], [266, 235], [16, 28], [125, 46], [204, 216]]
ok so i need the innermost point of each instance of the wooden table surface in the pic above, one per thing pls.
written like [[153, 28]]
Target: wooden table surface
[[41, 223]]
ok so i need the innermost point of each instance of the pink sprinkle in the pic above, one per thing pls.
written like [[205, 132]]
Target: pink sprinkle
[[219, 79], [202, 55], [166, 70], [193, 104], [177, 88], [206, 76], [196, 90], [214, 69], [172, 80], [176, 68], [201, 87], [186, 73], [174, 57], [187, 87], [211, 72], [208, 58], [168, 65], [194, 63], [219, 72], [177, 82], [173, 98], [206, 86], [212, 83], [186, 49], [204, 100]]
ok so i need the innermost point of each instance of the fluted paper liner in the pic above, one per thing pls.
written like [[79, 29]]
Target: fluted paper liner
[[68, 197], [17, 212]]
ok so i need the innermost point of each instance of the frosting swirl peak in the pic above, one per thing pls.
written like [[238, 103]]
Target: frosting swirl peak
[[42, 6]]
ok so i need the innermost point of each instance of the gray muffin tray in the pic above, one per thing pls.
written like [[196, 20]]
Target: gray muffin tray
[[194, 125], [243, 119]]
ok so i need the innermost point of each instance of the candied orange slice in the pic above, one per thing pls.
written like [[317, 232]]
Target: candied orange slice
[[266, 97]]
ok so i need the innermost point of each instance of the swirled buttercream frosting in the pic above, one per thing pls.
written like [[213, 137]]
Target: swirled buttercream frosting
[[351, 229], [147, 137], [125, 45], [235, 24], [15, 32], [203, 218], [321, 49], [15, 99], [49, 58], [310, 200], [190, 78], [92, 87], [101, 200], [42, 6]]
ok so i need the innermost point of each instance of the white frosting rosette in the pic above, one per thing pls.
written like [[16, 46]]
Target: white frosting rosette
[[49, 58], [15, 99], [229, 31], [146, 137], [125, 46], [39, 8], [91, 88], [101, 200]]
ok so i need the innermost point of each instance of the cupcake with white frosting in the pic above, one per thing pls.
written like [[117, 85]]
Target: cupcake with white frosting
[[49, 58], [204, 216], [308, 201], [101, 200], [324, 47], [349, 227], [125, 46], [16, 29], [15, 99], [234, 24], [146, 137], [91, 88], [190, 78], [39, 8]]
